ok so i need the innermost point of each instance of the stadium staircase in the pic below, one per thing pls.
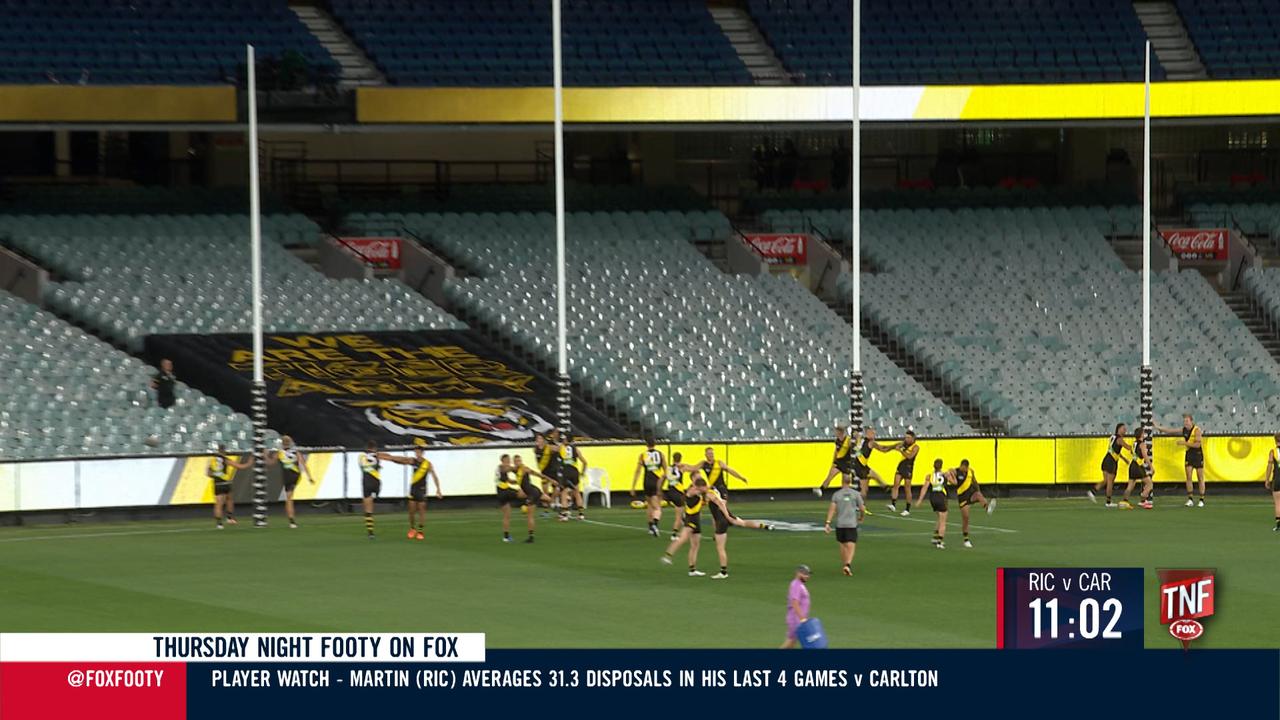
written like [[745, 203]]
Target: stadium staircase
[[356, 68], [1170, 41], [752, 49], [1254, 318]]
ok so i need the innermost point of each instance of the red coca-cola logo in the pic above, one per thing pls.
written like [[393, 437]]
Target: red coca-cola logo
[[780, 246], [1195, 240], [1186, 630], [381, 250]]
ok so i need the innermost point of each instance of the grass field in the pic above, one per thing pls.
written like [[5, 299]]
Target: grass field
[[599, 584]]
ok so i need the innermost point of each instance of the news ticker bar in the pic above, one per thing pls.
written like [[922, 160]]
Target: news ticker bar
[[633, 683], [417, 647]]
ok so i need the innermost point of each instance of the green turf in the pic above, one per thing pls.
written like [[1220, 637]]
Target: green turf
[[601, 585]]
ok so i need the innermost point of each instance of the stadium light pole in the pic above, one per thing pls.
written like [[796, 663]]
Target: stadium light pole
[[557, 89], [855, 260], [1145, 377], [259, 390]]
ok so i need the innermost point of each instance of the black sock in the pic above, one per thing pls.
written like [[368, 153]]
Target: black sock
[[724, 569], [693, 568], [368, 523], [506, 534]]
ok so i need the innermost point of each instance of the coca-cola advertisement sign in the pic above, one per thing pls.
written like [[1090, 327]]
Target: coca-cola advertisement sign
[[379, 252], [1197, 243], [781, 248]]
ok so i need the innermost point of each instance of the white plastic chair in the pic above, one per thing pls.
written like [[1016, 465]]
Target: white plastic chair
[[597, 482]]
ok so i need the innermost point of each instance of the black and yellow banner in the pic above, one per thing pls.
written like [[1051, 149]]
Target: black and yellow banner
[[440, 387]]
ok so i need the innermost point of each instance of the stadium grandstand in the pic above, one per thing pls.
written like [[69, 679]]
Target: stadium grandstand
[[1001, 262]]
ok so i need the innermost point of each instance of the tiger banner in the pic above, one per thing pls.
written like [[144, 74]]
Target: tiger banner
[[437, 387]]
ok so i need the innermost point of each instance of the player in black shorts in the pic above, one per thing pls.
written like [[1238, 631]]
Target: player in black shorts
[[293, 464], [222, 467], [533, 496], [909, 449], [1116, 445], [1139, 469], [422, 468], [570, 477], [968, 492], [654, 466], [716, 473], [936, 488], [546, 454], [675, 488], [1193, 441], [370, 481], [508, 486], [698, 494]]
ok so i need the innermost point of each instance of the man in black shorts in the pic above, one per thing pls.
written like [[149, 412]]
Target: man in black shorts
[[293, 465], [508, 486], [1193, 441], [906, 466], [654, 466], [695, 497], [936, 488], [222, 467], [968, 493], [848, 509], [370, 482], [533, 496], [546, 455], [674, 492], [422, 468], [716, 472], [570, 477]]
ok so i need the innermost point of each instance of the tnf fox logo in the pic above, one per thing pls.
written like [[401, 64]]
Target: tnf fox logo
[[1185, 597]]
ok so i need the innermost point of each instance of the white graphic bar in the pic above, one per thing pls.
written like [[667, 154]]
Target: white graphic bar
[[417, 647]]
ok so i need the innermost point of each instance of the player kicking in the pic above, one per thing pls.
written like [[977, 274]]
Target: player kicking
[[902, 476], [1193, 441], [1116, 445], [969, 493], [853, 456], [533, 496], [848, 509], [293, 465], [653, 465], [716, 473], [936, 488], [1273, 479], [422, 468], [570, 478], [673, 493], [222, 467], [695, 497], [1139, 469], [508, 486]]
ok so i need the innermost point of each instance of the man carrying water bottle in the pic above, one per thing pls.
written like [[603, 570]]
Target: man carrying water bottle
[[797, 605]]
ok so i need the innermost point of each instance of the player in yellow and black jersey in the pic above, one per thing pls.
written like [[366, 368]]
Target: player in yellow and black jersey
[[221, 468], [573, 464], [370, 481], [698, 494], [1116, 447], [935, 486], [717, 474], [533, 496], [1193, 461], [969, 493], [1140, 468], [293, 465], [1273, 479], [852, 457], [422, 468], [508, 487], [653, 465], [673, 493], [906, 467]]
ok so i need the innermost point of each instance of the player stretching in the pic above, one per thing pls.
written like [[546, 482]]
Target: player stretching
[[654, 466], [508, 493], [1139, 469], [673, 493], [293, 464], [547, 456], [936, 488], [370, 482], [967, 493], [422, 467], [1273, 479], [570, 477], [532, 495], [695, 497], [1116, 445], [222, 467], [848, 509], [716, 472], [1193, 441], [906, 467]]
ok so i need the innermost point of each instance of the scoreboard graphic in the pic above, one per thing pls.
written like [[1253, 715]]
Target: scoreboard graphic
[[1072, 608]]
